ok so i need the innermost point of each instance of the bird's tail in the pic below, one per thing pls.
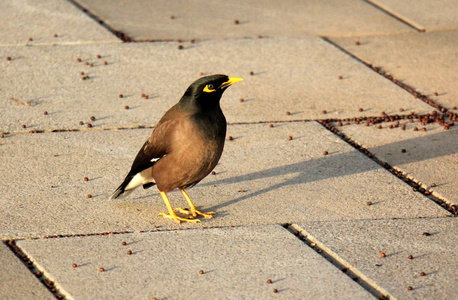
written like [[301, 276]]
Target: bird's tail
[[121, 191], [131, 183]]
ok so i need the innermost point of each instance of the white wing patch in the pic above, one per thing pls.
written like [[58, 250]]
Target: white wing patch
[[137, 181]]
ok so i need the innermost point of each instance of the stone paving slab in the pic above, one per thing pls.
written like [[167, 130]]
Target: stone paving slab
[[425, 61], [42, 20], [16, 282], [360, 243], [430, 157], [296, 75], [237, 262], [200, 19], [263, 178], [424, 14]]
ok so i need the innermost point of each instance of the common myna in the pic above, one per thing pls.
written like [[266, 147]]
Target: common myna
[[184, 147]]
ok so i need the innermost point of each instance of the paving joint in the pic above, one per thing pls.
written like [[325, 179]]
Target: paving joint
[[120, 35], [51, 286], [346, 268], [397, 17], [416, 186], [390, 77]]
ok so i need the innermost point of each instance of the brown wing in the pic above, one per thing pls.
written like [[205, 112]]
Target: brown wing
[[158, 144]]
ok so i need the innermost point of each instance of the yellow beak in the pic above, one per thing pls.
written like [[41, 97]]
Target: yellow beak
[[231, 81]]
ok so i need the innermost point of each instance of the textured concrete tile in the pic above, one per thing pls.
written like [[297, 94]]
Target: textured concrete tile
[[16, 282], [360, 243], [200, 19], [41, 20], [425, 61], [300, 76], [430, 157], [237, 263], [424, 14], [262, 178]]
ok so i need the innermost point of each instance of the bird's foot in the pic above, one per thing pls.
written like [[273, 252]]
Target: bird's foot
[[178, 219], [195, 213]]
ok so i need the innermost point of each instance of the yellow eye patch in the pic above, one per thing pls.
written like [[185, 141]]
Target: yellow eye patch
[[209, 88]]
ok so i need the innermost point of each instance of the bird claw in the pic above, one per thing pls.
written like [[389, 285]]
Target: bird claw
[[178, 219], [195, 213]]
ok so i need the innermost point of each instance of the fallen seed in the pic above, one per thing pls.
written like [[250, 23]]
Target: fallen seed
[[180, 47], [426, 233], [242, 100], [401, 109], [433, 185], [74, 265], [288, 113], [99, 56], [124, 243], [86, 179], [129, 252], [403, 150], [172, 17], [369, 203], [383, 254], [271, 125], [102, 270], [89, 196], [251, 73], [105, 63], [213, 173], [81, 123], [325, 153], [8, 58], [230, 138], [201, 272], [290, 138], [126, 107], [30, 39], [324, 111], [236, 22], [410, 288], [269, 281], [121, 95], [410, 256], [92, 118], [45, 113], [24, 126], [275, 291], [422, 274], [340, 77], [357, 43], [361, 109]]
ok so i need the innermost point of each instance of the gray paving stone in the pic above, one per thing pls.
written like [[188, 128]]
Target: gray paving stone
[[296, 75], [237, 263], [360, 243], [200, 19], [16, 282], [424, 14], [262, 178], [425, 61], [430, 157], [41, 20]]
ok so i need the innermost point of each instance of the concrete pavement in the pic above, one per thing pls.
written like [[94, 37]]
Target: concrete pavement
[[339, 180]]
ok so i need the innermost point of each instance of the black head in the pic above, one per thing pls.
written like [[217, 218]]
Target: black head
[[205, 93]]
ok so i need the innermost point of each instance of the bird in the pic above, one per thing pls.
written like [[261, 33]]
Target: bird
[[184, 147]]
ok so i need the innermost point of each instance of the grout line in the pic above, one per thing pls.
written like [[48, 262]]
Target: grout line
[[352, 272], [395, 16], [38, 272], [416, 186], [430, 117], [122, 36], [390, 77]]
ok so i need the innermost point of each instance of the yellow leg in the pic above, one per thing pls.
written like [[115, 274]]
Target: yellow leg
[[172, 215], [192, 209]]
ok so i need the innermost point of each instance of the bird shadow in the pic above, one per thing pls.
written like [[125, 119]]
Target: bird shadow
[[341, 165]]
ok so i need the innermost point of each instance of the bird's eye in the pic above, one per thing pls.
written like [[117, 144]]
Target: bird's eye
[[209, 88]]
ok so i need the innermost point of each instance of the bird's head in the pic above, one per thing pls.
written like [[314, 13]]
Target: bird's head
[[205, 92]]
